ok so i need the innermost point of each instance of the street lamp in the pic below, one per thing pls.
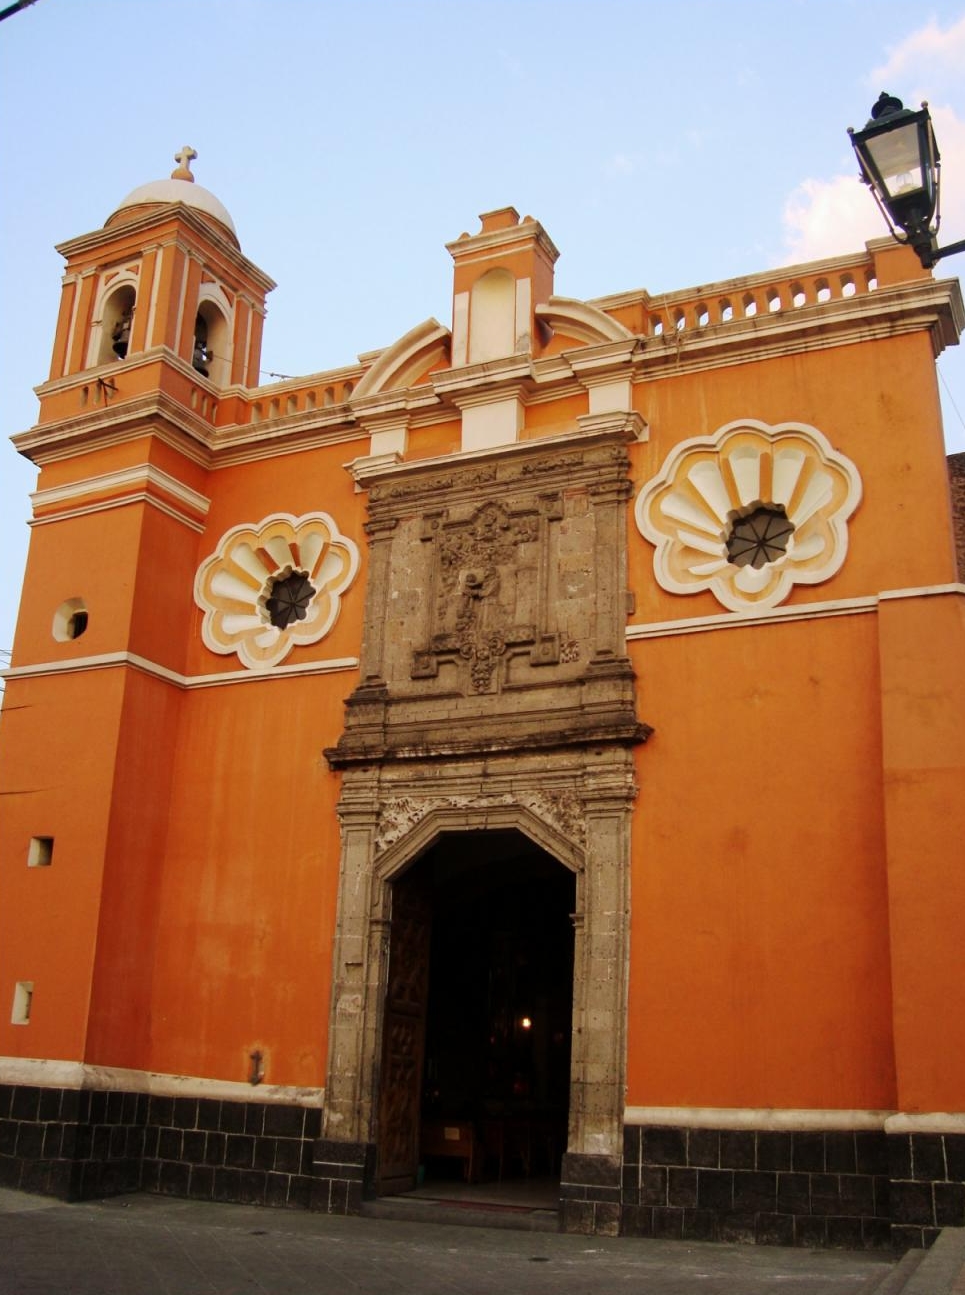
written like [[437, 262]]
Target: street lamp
[[900, 163]]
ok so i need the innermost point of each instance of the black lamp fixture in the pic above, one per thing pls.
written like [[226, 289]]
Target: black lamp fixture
[[900, 163]]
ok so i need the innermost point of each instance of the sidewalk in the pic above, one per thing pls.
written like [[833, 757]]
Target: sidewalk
[[153, 1245]]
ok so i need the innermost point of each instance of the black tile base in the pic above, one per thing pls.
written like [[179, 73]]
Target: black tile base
[[852, 1190], [592, 1195], [79, 1145], [343, 1175], [837, 1188]]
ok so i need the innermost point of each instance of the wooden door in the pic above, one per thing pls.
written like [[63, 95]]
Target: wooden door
[[404, 1031]]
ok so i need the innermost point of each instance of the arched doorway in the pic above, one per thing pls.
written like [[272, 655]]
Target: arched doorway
[[477, 1023]]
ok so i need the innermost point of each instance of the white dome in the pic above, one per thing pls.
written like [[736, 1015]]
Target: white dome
[[186, 191]]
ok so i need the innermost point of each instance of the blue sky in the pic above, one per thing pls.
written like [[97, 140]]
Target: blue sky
[[661, 146]]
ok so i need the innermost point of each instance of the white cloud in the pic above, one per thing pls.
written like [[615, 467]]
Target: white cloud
[[826, 217], [950, 133], [829, 217], [620, 164], [926, 64]]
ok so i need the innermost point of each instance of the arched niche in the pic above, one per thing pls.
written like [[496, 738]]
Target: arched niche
[[492, 317]]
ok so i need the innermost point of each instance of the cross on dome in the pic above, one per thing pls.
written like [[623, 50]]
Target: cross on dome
[[184, 160]]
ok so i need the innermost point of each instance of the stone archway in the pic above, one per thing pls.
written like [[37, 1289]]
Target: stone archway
[[574, 805]]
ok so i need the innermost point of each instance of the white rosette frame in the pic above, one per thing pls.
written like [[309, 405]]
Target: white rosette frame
[[707, 484], [233, 586]]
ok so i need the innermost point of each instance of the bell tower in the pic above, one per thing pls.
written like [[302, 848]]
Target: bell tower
[[158, 338], [164, 291]]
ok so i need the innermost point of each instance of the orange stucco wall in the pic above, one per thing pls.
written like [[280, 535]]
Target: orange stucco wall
[[57, 759], [759, 968], [795, 879], [923, 692], [247, 904]]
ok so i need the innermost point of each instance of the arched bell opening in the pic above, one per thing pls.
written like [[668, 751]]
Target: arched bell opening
[[474, 1086], [211, 351], [117, 319]]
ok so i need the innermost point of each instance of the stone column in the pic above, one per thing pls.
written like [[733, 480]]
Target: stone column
[[592, 1168], [344, 1157]]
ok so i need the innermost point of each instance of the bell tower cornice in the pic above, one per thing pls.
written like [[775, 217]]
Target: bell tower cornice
[[176, 220]]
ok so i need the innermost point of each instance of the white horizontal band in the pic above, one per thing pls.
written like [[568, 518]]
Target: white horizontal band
[[780, 615], [775, 1119], [755, 1117], [75, 1074], [108, 660]]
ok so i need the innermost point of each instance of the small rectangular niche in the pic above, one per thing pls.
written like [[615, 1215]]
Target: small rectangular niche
[[22, 999], [40, 852]]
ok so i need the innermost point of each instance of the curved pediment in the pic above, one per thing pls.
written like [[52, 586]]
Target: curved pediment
[[579, 320], [407, 359]]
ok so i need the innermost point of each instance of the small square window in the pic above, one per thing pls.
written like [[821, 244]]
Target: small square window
[[22, 1000], [40, 852]]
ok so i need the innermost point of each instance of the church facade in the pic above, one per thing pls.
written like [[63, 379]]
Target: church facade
[[536, 750]]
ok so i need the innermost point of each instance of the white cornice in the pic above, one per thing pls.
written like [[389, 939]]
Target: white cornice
[[751, 1117], [40, 1073], [110, 425], [252, 447], [922, 591], [497, 240], [633, 425], [600, 362], [367, 471], [134, 229], [108, 481], [490, 394], [113, 660], [489, 375], [792, 1120], [783, 615], [121, 501]]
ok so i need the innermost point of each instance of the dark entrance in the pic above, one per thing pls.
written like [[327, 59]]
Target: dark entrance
[[476, 1058]]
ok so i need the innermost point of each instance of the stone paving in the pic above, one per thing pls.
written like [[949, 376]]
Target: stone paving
[[153, 1245]]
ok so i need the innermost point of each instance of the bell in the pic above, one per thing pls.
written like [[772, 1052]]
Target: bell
[[121, 336]]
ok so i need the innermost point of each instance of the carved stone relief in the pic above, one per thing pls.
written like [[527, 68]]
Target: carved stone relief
[[562, 810], [497, 598]]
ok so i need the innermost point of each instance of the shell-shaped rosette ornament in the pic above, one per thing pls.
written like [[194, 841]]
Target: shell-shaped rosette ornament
[[273, 585], [749, 512]]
